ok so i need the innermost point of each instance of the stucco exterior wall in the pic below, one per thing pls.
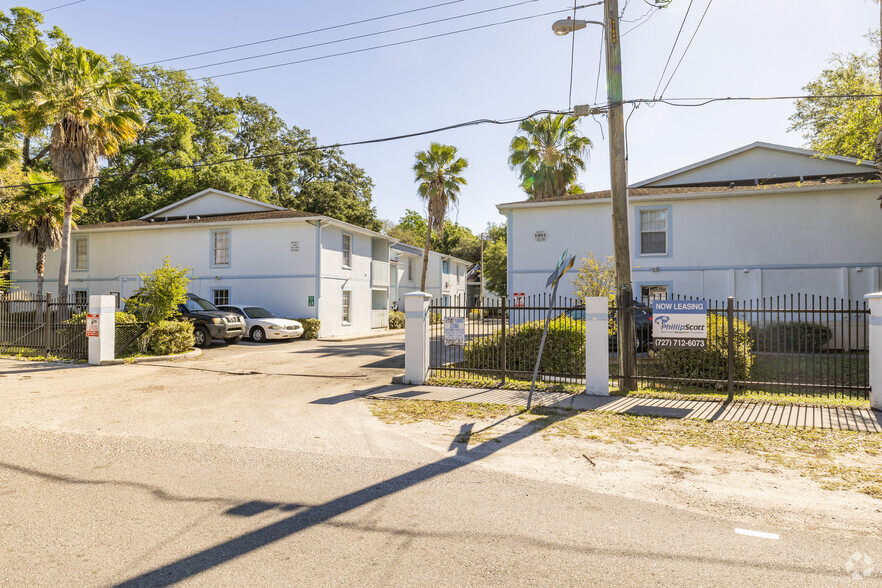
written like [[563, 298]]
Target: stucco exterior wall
[[824, 241]]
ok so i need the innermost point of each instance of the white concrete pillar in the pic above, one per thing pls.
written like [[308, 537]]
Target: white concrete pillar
[[597, 346], [875, 343], [102, 313], [416, 337]]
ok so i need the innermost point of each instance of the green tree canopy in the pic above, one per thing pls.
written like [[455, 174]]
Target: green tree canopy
[[496, 259], [548, 153], [842, 126]]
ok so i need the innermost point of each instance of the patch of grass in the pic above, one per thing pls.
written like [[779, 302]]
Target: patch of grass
[[474, 381], [753, 396], [838, 460]]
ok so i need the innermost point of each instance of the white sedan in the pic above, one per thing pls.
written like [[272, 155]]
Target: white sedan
[[261, 324]]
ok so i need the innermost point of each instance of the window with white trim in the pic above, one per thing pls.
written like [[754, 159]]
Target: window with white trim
[[221, 296], [347, 306], [220, 248], [410, 269], [650, 293], [654, 232], [458, 274], [347, 250], [81, 253]]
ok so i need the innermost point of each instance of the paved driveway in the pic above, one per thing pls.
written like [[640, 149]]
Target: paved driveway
[[260, 466]]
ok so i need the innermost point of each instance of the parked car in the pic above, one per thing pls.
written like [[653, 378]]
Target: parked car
[[209, 322], [261, 324], [642, 325]]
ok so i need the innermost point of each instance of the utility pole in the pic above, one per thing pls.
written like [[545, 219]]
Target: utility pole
[[618, 174]]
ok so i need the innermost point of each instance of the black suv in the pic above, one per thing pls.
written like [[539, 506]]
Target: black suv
[[209, 322]]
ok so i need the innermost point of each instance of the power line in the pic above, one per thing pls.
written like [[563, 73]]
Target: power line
[[384, 46], [701, 101], [674, 46], [61, 6], [364, 36], [641, 21], [688, 45], [300, 34], [480, 121]]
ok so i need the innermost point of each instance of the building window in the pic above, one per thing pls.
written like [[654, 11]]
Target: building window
[[653, 232], [650, 293], [221, 296], [410, 269], [81, 300], [81, 253], [347, 306], [347, 250], [445, 267], [458, 274], [220, 248]]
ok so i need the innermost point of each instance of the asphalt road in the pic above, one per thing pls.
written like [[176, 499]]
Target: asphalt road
[[262, 466]]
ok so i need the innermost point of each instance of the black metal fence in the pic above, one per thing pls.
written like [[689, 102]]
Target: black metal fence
[[500, 341], [52, 326], [793, 345]]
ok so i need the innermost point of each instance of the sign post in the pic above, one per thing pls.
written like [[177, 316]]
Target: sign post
[[554, 278]]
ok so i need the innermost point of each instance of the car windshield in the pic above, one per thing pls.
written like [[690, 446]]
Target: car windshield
[[197, 304], [257, 312]]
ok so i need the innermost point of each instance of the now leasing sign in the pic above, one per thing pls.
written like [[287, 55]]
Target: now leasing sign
[[679, 324]]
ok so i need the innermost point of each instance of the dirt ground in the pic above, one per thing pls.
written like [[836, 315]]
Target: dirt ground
[[731, 484]]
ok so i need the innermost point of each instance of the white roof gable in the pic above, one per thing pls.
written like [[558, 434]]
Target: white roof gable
[[211, 202], [759, 161]]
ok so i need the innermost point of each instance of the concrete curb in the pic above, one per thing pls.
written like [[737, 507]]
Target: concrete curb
[[189, 355], [344, 338]]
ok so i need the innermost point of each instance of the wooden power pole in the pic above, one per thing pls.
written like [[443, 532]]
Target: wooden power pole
[[619, 195]]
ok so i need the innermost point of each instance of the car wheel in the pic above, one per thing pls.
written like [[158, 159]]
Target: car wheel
[[258, 335], [233, 340], [201, 337]]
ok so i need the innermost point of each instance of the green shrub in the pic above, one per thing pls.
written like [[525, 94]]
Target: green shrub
[[121, 318], [310, 327], [434, 318], [712, 363], [564, 351], [396, 319], [799, 337], [169, 337]]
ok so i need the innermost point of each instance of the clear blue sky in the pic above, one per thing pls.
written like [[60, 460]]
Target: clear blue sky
[[744, 48]]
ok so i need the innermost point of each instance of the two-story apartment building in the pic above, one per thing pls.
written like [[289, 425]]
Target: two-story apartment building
[[239, 250], [761, 220], [445, 276]]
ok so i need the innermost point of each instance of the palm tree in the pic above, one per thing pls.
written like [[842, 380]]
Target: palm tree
[[438, 172], [548, 153], [38, 213], [91, 110]]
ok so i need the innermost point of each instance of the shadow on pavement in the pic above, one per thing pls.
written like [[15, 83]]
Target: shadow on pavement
[[347, 396]]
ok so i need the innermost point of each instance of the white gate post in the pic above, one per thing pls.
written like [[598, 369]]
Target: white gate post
[[416, 337], [597, 346], [102, 346], [875, 346]]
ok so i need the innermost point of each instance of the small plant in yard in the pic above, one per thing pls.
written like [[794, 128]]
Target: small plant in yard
[[396, 319], [712, 362], [310, 326], [156, 302], [169, 337], [434, 318]]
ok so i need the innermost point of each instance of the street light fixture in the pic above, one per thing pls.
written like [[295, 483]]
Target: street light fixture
[[618, 184], [568, 25]]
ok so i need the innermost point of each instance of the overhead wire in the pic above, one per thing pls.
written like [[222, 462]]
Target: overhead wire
[[669, 101], [688, 45], [362, 36], [302, 33], [480, 121], [60, 6], [385, 45], [674, 46]]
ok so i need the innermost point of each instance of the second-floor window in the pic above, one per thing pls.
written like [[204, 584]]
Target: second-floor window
[[347, 250], [410, 270], [458, 274], [220, 248], [653, 232], [81, 253]]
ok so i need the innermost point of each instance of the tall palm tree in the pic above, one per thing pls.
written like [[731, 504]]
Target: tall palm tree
[[548, 153], [37, 212], [91, 109], [438, 171]]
